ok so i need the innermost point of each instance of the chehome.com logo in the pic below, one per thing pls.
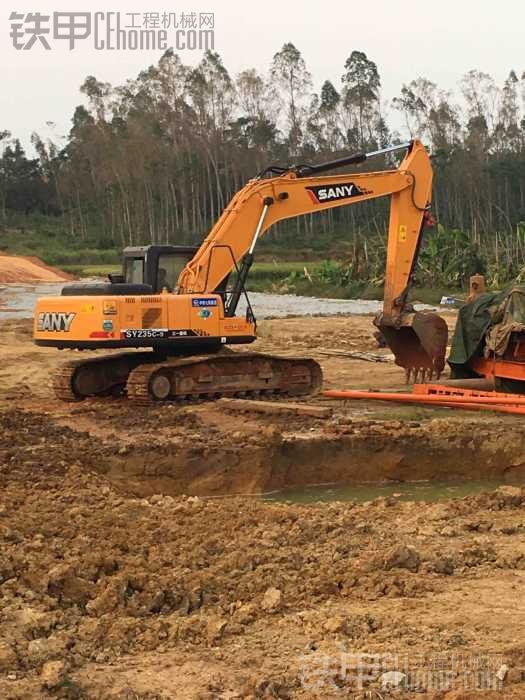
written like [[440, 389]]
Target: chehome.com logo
[[114, 31]]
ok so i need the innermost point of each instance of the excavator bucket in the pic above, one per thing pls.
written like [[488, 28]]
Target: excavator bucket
[[419, 344]]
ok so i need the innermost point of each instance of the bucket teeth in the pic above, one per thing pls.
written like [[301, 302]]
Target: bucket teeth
[[421, 375], [418, 344]]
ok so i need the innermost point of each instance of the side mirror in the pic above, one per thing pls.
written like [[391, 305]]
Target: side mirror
[[116, 278]]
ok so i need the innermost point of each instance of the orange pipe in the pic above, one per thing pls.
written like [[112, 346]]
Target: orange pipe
[[442, 402]]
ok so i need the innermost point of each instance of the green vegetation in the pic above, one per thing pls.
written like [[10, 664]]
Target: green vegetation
[[47, 238], [92, 270], [308, 279], [348, 266]]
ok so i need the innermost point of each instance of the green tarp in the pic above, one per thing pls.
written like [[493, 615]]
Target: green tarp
[[494, 314]]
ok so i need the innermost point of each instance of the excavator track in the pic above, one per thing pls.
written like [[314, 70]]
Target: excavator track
[[97, 376], [209, 377], [148, 378]]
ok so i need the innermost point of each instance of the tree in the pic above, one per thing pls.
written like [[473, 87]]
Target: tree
[[508, 134], [481, 96], [253, 94], [97, 94], [257, 104], [361, 90], [428, 112], [413, 108], [23, 187], [329, 110], [4, 140], [289, 72]]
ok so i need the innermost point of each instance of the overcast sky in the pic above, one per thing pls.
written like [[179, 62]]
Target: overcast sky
[[406, 39]]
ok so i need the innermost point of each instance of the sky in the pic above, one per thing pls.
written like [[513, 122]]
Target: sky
[[407, 39]]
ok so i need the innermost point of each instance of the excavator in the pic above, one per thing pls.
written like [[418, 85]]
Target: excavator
[[174, 309]]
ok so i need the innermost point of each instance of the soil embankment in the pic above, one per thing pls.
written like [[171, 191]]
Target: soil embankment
[[27, 269]]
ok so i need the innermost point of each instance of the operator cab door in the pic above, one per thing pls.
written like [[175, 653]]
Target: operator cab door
[[169, 267], [134, 271]]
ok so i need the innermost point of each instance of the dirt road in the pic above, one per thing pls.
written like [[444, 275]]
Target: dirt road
[[120, 578]]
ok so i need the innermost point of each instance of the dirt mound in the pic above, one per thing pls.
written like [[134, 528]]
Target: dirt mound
[[14, 268]]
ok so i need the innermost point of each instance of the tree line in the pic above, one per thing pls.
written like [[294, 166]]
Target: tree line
[[157, 158]]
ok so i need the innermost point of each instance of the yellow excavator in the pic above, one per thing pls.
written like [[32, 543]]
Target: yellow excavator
[[176, 307]]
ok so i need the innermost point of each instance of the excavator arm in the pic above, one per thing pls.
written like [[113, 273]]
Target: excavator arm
[[417, 340]]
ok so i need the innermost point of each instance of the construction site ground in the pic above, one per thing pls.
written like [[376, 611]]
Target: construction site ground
[[28, 269], [138, 559]]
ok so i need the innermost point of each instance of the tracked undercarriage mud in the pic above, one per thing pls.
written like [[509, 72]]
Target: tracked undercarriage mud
[[148, 377]]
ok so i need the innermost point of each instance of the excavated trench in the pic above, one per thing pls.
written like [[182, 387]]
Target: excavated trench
[[376, 455]]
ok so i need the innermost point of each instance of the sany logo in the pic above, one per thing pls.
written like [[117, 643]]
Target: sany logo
[[328, 193], [55, 321]]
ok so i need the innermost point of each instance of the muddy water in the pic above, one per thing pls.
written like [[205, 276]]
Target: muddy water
[[280, 305], [18, 301], [427, 492]]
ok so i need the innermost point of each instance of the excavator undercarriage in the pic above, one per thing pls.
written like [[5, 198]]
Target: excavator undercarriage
[[149, 377]]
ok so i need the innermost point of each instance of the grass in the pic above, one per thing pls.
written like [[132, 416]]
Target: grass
[[47, 239], [327, 290], [286, 267], [91, 270], [264, 272]]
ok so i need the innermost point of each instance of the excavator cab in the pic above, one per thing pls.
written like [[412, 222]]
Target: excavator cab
[[157, 266], [145, 270]]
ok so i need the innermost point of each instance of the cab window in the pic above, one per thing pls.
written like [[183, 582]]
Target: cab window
[[135, 270], [170, 267]]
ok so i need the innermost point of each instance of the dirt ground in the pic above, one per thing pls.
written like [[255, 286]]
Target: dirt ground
[[29, 269], [138, 562]]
